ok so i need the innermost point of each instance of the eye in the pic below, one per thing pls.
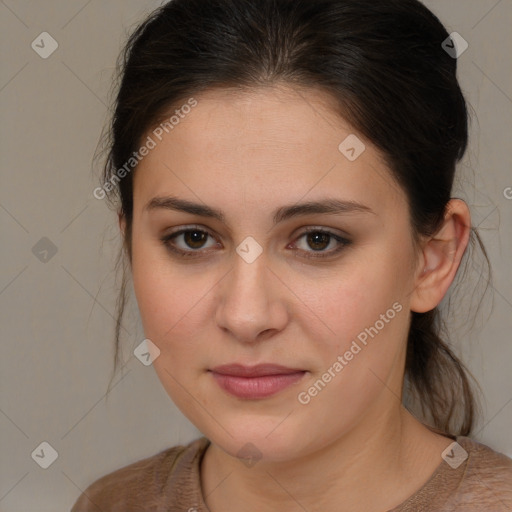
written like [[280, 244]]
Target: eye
[[193, 240], [319, 240]]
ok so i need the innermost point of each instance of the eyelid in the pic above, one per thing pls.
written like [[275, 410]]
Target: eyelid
[[189, 227], [184, 229], [323, 229], [343, 241]]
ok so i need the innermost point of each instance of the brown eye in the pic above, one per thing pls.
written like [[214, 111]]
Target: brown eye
[[191, 242], [195, 239], [318, 241]]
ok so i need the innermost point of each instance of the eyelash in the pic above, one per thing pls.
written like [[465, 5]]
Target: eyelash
[[197, 253]]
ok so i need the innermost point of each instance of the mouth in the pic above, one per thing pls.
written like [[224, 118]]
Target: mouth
[[255, 382]]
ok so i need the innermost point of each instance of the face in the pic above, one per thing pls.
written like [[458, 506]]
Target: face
[[323, 290]]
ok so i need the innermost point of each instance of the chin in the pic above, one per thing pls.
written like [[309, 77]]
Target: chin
[[256, 442]]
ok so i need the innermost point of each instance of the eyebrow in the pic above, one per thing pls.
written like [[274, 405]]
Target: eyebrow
[[327, 206]]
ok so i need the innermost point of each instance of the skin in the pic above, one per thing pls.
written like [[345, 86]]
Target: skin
[[249, 153]]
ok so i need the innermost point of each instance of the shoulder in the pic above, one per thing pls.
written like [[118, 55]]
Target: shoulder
[[487, 477], [145, 484]]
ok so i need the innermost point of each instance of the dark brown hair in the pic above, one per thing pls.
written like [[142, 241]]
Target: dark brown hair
[[383, 63]]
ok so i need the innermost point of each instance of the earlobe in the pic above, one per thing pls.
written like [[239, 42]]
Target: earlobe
[[441, 256]]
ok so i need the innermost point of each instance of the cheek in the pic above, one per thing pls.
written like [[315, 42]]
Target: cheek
[[359, 295], [366, 309], [164, 295], [175, 305], [164, 299]]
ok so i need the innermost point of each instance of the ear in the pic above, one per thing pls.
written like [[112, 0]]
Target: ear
[[440, 257]]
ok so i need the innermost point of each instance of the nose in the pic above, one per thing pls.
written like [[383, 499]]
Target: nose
[[252, 302]]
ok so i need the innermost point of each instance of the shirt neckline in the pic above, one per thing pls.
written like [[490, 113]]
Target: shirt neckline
[[431, 493]]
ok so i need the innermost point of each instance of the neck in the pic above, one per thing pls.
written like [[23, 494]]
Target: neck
[[375, 467]]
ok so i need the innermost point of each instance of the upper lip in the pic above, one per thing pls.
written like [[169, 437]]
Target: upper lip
[[259, 370]]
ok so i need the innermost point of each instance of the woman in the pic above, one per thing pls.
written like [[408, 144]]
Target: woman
[[283, 171]]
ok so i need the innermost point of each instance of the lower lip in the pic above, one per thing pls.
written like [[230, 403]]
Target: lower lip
[[256, 387]]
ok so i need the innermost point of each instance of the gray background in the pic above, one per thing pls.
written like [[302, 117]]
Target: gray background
[[57, 316]]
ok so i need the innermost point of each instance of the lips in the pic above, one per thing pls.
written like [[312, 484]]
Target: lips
[[255, 382], [260, 370]]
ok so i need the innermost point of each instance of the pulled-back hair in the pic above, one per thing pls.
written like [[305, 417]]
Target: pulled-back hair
[[382, 62]]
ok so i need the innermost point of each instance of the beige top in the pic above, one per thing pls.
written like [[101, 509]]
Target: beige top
[[170, 482]]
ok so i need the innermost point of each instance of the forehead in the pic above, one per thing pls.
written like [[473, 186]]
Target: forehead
[[261, 144]]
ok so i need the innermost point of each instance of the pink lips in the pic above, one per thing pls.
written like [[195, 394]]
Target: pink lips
[[253, 382]]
